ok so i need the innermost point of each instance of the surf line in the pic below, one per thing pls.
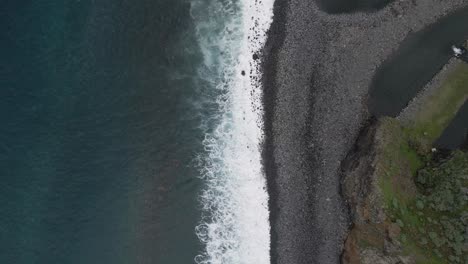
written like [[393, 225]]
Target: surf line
[[235, 224]]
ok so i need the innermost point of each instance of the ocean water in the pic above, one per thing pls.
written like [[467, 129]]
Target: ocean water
[[129, 133], [234, 226]]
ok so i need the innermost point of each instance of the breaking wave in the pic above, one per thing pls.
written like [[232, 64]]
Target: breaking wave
[[234, 226]]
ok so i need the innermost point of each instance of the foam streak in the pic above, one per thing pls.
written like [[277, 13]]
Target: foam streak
[[235, 227]]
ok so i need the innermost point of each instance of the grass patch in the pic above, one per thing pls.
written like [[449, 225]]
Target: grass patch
[[426, 198], [435, 221], [397, 162], [439, 110]]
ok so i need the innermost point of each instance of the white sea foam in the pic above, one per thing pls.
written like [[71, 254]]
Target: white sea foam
[[235, 226]]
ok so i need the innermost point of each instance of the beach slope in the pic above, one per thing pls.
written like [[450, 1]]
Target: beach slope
[[318, 68]]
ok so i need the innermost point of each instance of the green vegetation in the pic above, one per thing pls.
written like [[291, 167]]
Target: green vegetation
[[439, 110], [427, 198], [434, 222]]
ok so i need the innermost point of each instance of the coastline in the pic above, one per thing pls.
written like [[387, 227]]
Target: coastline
[[317, 71], [384, 181], [275, 39]]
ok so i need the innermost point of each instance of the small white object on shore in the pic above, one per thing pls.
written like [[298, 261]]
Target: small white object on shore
[[457, 51], [434, 150]]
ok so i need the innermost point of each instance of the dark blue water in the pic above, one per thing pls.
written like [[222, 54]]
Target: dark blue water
[[98, 131]]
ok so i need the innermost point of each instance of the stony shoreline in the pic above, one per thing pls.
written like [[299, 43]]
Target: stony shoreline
[[317, 72]]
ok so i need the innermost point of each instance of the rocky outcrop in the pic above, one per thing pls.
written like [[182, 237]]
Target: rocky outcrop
[[358, 182], [372, 239]]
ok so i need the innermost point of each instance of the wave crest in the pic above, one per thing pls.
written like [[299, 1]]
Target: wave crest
[[234, 227]]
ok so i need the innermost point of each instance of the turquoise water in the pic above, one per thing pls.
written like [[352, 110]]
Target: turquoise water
[[99, 130]]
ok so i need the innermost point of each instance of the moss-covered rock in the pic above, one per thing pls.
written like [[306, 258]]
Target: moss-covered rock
[[407, 202]]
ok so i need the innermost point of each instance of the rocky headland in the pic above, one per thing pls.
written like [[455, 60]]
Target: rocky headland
[[408, 199]]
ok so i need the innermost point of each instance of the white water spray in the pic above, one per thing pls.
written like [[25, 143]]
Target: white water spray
[[235, 226]]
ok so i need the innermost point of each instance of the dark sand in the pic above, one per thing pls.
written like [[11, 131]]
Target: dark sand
[[318, 69]]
